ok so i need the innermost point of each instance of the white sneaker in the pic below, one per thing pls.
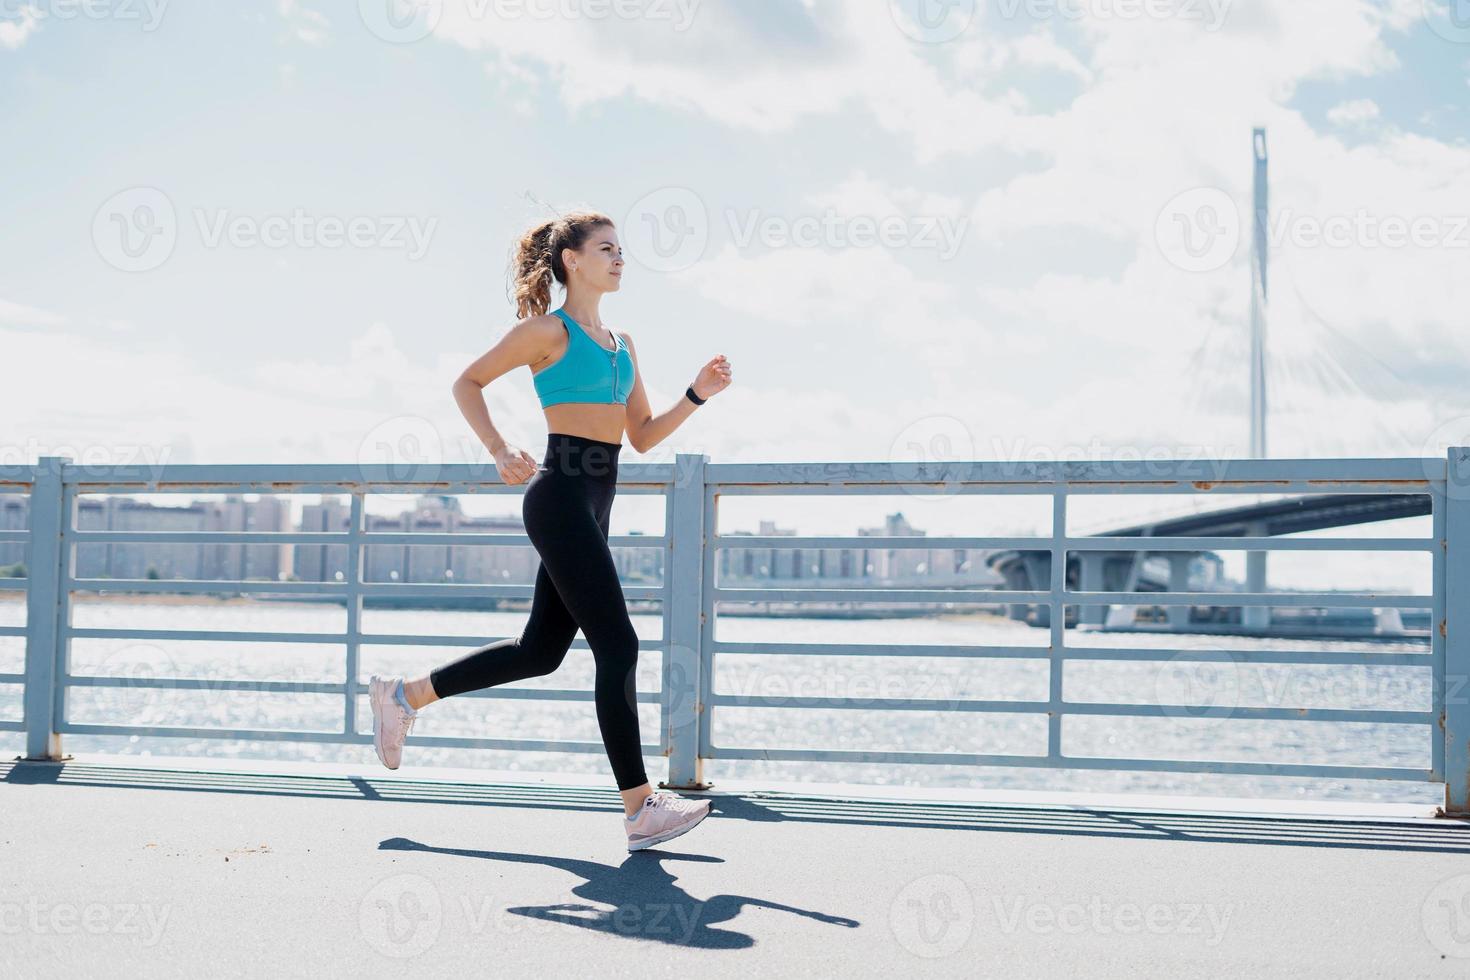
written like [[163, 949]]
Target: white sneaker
[[391, 723], [662, 817]]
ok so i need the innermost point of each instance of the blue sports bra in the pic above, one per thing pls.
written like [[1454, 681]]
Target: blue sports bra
[[587, 372]]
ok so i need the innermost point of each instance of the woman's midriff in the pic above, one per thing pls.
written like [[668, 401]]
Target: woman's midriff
[[594, 421]]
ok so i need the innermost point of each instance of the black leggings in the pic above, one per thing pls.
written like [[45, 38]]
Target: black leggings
[[565, 509]]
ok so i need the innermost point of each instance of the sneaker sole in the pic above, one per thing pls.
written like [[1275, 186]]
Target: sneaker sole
[[669, 835]]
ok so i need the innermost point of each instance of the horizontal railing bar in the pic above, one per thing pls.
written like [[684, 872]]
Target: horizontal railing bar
[[1043, 488], [1381, 716], [12, 535], [13, 726], [1306, 658], [399, 589], [216, 636], [413, 639], [787, 542], [1207, 473], [428, 589], [260, 636], [272, 735], [1254, 713], [1216, 543], [204, 684], [324, 687], [990, 597], [879, 650], [1099, 543], [1072, 598], [193, 585], [1121, 654], [337, 538], [626, 486], [12, 678], [1067, 762], [877, 704], [14, 584], [1325, 599], [1405, 472]]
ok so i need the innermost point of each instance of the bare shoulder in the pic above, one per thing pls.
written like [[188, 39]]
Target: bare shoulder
[[541, 325]]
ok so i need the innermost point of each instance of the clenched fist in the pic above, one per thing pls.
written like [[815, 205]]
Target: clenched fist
[[713, 378]]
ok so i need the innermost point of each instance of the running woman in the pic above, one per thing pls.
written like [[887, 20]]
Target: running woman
[[586, 377]]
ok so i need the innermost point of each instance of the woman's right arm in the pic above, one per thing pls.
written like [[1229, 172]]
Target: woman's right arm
[[524, 343]]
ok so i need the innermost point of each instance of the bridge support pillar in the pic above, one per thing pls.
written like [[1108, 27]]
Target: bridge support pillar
[[1179, 582], [1091, 571], [1038, 570], [1255, 617]]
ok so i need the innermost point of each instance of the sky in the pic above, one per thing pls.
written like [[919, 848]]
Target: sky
[[275, 232]]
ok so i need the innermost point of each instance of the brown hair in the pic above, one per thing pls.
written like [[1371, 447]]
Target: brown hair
[[537, 257]]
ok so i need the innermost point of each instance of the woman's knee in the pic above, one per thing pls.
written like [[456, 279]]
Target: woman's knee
[[616, 649]]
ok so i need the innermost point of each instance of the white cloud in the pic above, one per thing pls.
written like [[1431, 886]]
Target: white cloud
[[15, 32], [28, 316], [1353, 113], [823, 58], [306, 25]]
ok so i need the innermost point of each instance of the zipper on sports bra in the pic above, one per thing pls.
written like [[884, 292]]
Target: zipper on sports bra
[[615, 369]]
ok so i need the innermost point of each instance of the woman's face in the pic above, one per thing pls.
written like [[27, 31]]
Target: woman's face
[[598, 264]]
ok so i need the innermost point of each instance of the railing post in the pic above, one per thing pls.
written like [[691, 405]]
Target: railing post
[[1457, 633], [43, 601], [685, 567]]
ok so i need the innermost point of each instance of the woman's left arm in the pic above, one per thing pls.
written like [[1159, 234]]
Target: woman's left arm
[[646, 430]]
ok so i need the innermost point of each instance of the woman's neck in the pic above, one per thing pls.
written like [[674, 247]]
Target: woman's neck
[[584, 313]]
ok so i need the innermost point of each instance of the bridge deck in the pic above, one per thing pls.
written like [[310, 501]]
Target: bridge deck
[[110, 869]]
